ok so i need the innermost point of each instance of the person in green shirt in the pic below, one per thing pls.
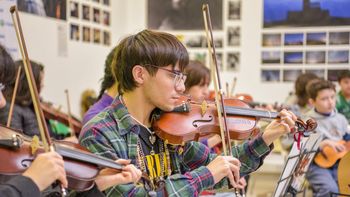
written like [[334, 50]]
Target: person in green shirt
[[343, 96]]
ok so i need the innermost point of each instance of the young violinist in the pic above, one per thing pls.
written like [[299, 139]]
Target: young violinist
[[149, 69], [343, 96], [333, 126], [107, 92]]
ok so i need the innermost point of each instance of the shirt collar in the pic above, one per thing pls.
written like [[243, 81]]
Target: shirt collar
[[125, 122]]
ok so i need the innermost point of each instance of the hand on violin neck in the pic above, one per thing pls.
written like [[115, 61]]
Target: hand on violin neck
[[225, 166], [110, 177], [279, 127], [47, 168]]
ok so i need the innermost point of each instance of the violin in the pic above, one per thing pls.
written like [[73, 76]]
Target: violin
[[54, 114], [191, 121], [328, 156], [81, 166]]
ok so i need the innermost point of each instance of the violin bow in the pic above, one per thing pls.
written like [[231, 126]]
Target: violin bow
[[219, 98], [14, 94], [44, 132], [69, 114]]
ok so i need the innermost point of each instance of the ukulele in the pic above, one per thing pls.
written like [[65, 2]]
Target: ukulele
[[328, 156]]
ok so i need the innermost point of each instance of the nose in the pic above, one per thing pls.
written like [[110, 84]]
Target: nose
[[206, 92], [180, 88]]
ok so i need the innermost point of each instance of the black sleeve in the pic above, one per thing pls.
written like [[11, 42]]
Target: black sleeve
[[19, 186]]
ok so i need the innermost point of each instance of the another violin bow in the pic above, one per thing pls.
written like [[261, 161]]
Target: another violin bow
[[14, 94], [44, 132], [69, 113]]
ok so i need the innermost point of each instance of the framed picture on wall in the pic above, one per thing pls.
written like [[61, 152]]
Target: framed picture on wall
[[106, 2], [106, 38], [96, 15], [47, 8], [336, 38], [74, 32], [338, 56], [86, 12], [273, 39], [233, 36], [234, 10], [97, 36], [198, 56], [182, 14], [316, 38], [270, 75], [317, 72], [271, 57], [334, 73], [303, 13], [74, 9], [106, 18], [290, 75], [220, 62], [86, 34], [315, 57], [293, 39], [233, 61], [293, 57], [195, 41]]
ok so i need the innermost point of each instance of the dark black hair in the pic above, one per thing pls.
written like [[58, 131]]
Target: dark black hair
[[146, 47], [108, 78]]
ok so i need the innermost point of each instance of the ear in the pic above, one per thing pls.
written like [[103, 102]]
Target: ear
[[138, 74], [311, 101]]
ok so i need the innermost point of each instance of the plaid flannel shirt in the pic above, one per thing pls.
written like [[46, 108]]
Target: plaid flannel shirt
[[113, 133]]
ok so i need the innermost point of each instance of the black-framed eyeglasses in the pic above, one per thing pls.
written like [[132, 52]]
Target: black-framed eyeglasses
[[178, 76]]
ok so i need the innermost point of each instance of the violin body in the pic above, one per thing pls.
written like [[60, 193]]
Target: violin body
[[328, 157], [344, 174], [81, 171], [179, 127]]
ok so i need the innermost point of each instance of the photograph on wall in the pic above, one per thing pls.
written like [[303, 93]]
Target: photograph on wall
[[318, 72], [96, 15], [333, 74], [106, 18], [97, 36], [97, 1], [316, 38], [195, 41], [290, 75], [269, 40], [106, 38], [86, 34], [304, 13], [315, 57], [106, 2], [338, 57], [182, 14], [232, 61], [74, 9], [293, 57], [270, 75], [233, 36], [86, 12], [74, 32], [220, 62], [293, 39], [234, 10], [270, 57], [336, 38], [47, 8], [202, 57]]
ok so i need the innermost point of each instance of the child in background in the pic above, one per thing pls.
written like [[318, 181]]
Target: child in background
[[343, 96], [333, 128]]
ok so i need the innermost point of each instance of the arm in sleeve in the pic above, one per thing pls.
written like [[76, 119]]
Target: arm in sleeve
[[190, 183], [19, 186]]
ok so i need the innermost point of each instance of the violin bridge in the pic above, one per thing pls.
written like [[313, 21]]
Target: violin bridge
[[34, 145], [204, 107]]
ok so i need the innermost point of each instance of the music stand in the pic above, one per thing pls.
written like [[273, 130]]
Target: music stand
[[292, 179]]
